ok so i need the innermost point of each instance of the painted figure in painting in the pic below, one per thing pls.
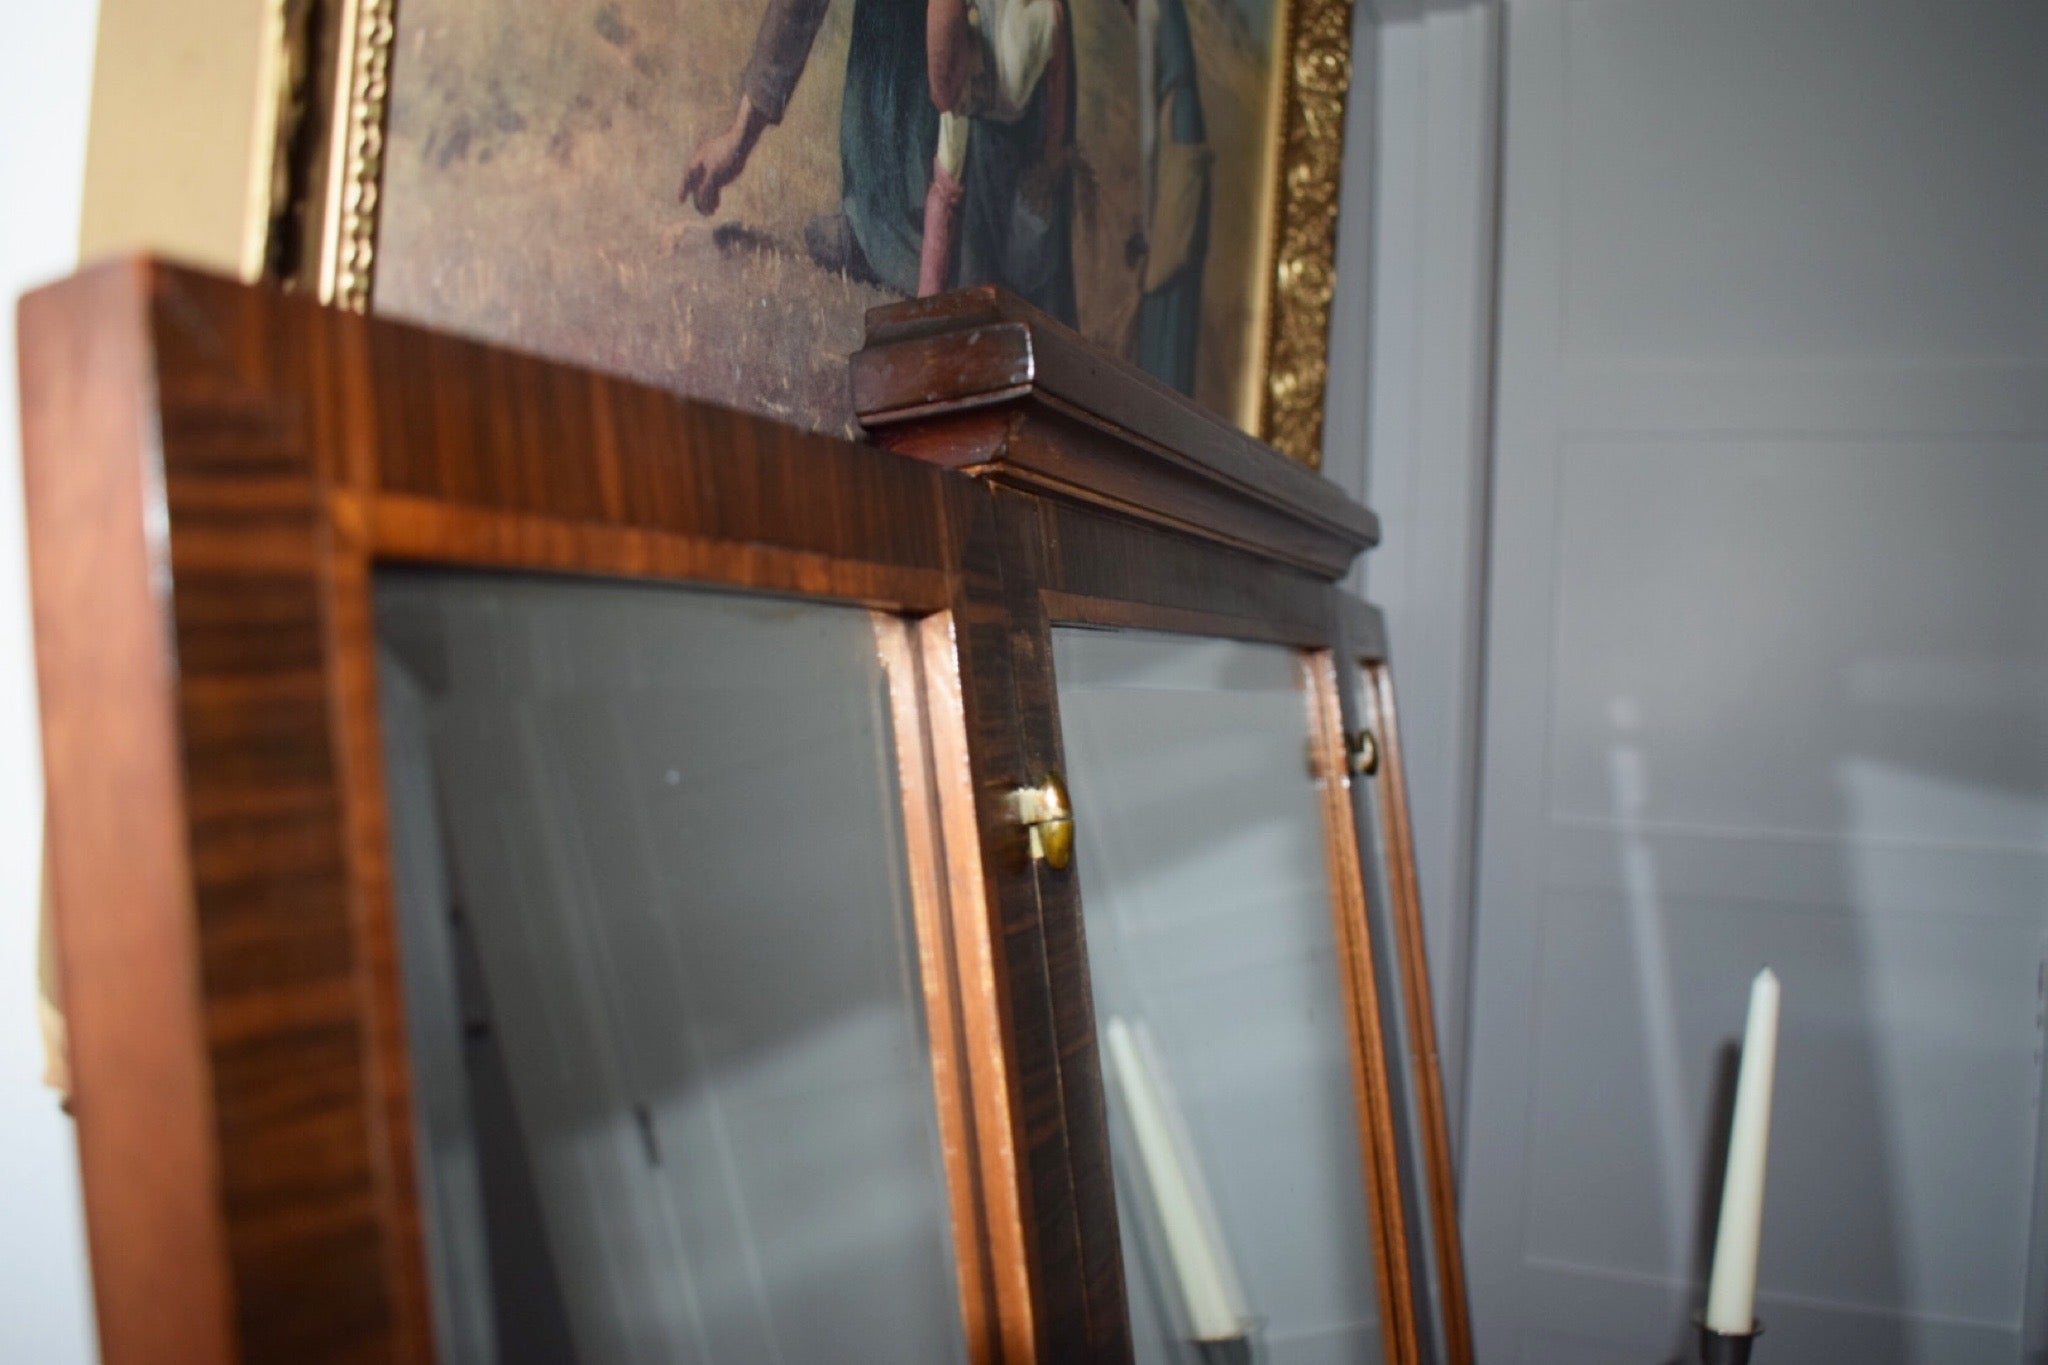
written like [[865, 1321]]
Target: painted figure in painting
[[1176, 158], [986, 87], [1107, 160]]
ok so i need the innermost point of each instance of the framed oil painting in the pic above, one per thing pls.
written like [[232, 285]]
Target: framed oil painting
[[709, 194]]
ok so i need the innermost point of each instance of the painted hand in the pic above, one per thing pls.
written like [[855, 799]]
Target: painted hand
[[720, 158]]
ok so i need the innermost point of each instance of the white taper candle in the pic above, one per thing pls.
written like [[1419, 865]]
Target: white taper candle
[[1201, 1266], [1731, 1292]]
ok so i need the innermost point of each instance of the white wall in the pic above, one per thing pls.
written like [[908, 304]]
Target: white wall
[[1431, 254], [1767, 671], [45, 1312]]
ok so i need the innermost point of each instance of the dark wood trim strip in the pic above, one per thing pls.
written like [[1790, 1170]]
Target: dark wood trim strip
[[1092, 555], [1364, 626], [938, 974], [1070, 1087], [429, 530], [1377, 1134], [1418, 995], [351, 644], [1075, 609], [979, 981], [1251, 504]]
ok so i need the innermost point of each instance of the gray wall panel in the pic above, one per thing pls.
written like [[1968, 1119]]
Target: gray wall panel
[[1767, 671]]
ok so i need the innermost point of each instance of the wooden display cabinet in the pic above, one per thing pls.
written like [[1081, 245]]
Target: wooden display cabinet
[[507, 821]]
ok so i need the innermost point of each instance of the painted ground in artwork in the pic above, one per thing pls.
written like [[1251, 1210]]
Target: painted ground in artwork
[[533, 166]]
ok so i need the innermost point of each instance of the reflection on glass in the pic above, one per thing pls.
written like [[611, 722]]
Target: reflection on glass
[[675, 1092], [1219, 999]]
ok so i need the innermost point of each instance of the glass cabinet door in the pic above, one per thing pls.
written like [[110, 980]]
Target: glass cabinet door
[[670, 1048], [1221, 1005], [1387, 838]]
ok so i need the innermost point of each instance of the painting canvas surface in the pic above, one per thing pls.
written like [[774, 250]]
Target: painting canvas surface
[[561, 176]]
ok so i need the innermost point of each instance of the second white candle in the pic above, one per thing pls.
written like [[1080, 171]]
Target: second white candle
[[1731, 1292]]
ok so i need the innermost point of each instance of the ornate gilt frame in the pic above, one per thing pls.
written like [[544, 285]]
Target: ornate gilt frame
[[348, 224], [337, 204], [1295, 371]]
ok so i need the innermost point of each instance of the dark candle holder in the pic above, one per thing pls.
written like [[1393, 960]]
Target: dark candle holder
[[1225, 1351], [1722, 1348]]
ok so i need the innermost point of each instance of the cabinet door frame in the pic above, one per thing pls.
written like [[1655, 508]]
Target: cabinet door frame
[[1120, 505], [1385, 824], [216, 471], [1072, 565], [214, 474]]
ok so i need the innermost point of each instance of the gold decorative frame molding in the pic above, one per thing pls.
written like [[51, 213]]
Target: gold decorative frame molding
[[1289, 374], [347, 252], [1294, 370]]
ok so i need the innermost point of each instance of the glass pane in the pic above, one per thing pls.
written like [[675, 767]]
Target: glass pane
[[1219, 998], [675, 1089]]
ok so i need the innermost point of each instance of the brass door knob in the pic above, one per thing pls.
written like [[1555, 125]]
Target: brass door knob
[[1048, 819]]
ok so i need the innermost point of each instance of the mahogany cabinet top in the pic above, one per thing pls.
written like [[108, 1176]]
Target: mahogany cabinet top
[[980, 380]]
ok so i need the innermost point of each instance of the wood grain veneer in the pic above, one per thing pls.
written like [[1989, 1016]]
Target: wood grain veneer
[[1439, 1170], [216, 471]]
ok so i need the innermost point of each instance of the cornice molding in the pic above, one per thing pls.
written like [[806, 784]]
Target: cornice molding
[[980, 381]]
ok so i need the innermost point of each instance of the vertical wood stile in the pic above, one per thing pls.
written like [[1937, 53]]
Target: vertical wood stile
[[1368, 1044], [1419, 998]]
